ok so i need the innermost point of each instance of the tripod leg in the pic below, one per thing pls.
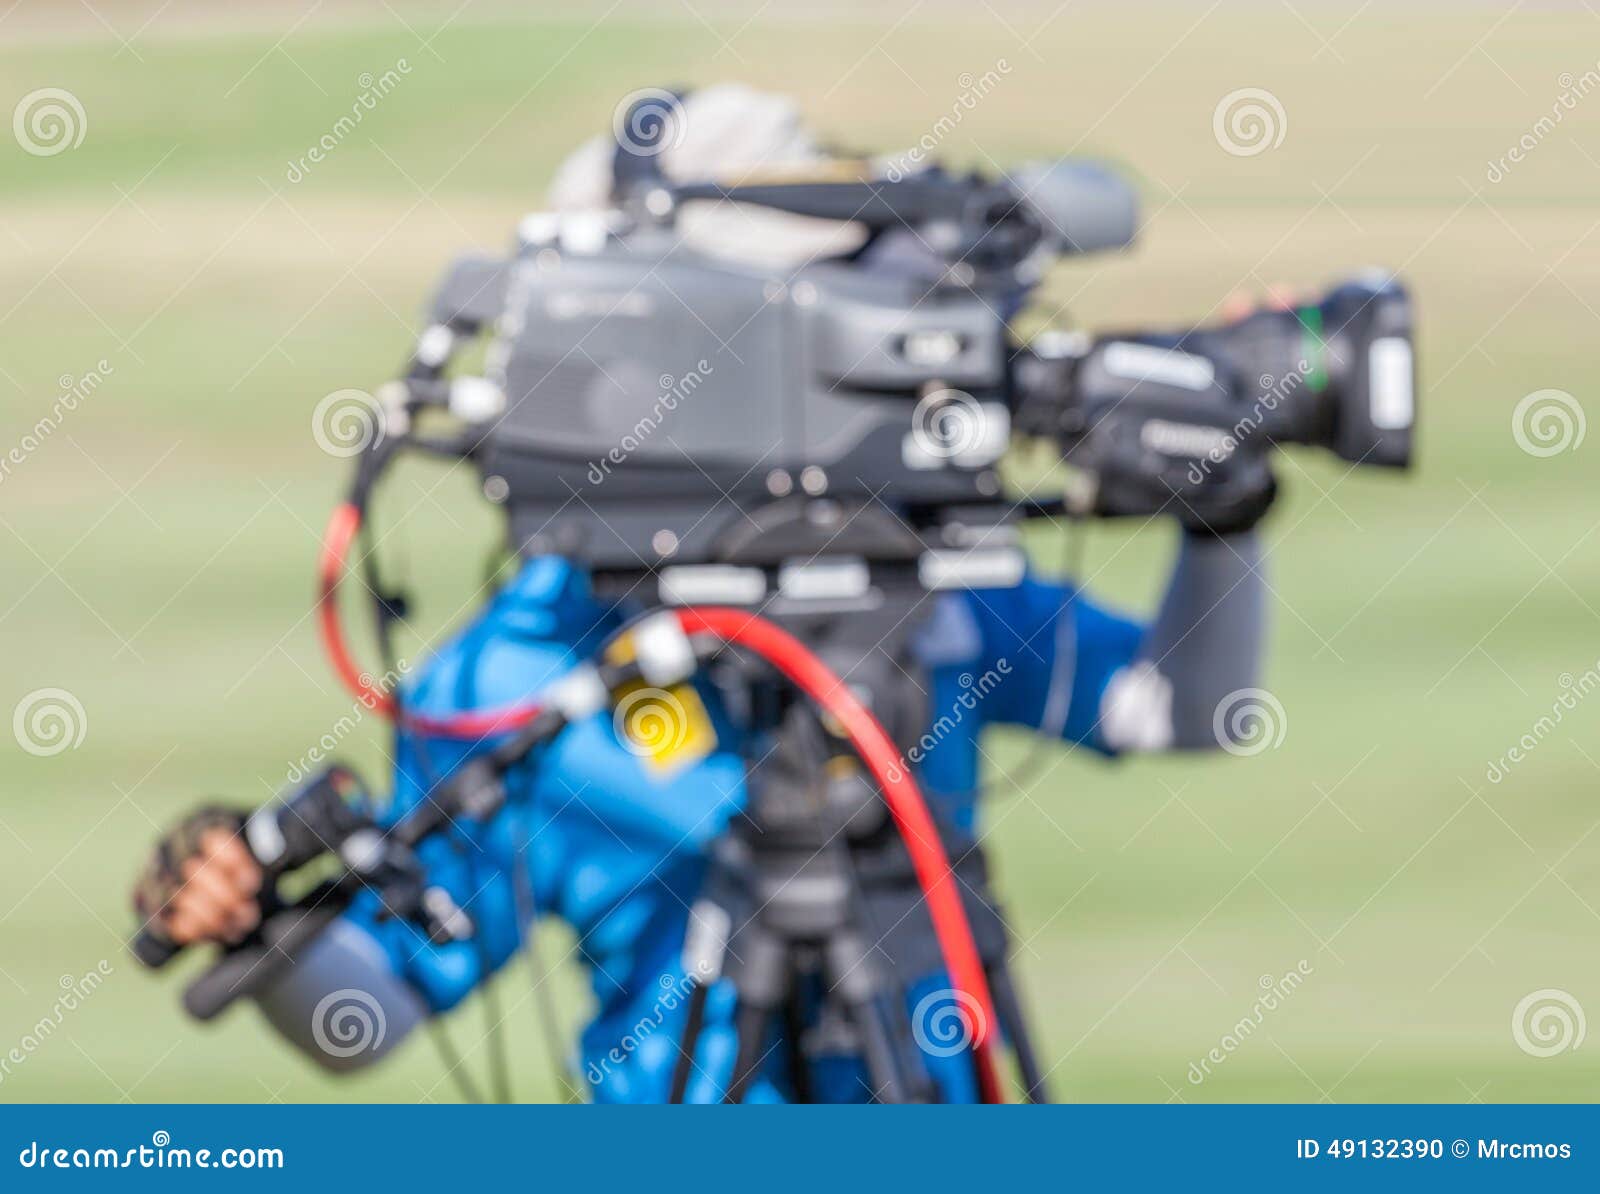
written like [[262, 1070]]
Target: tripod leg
[[1008, 1006], [877, 1051], [854, 979], [761, 976], [750, 1025], [686, 1046], [794, 1030]]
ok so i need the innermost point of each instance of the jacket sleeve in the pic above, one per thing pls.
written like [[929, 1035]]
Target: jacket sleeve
[[1113, 683], [1048, 655], [385, 964], [361, 987]]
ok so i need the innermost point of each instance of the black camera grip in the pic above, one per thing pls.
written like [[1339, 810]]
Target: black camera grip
[[153, 951]]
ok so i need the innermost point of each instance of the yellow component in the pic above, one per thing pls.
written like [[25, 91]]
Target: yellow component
[[668, 728], [842, 767]]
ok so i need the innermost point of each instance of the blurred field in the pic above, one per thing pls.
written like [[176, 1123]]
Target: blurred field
[[156, 551]]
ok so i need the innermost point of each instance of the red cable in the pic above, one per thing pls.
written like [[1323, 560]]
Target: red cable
[[475, 726], [343, 527], [934, 874]]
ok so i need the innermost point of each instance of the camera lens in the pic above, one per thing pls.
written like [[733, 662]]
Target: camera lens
[[1339, 373]]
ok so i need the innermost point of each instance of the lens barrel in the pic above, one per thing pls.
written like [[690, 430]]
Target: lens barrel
[[1338, 374]]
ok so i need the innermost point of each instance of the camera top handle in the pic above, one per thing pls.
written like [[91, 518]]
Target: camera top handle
[[878, 203], [638, 178]]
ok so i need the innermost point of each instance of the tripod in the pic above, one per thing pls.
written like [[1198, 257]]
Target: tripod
[[810, 907], [781, 916]]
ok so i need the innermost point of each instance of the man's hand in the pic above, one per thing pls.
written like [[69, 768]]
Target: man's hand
[[1241, 304], [1159, 443], [201, 883]]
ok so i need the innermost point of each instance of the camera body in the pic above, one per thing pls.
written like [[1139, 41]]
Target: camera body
[[654, 407], [655, 398]]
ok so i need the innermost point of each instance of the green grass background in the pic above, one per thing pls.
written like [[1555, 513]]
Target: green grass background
[[156, 552]]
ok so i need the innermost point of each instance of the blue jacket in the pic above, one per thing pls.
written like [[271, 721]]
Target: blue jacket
[[595, 836]]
